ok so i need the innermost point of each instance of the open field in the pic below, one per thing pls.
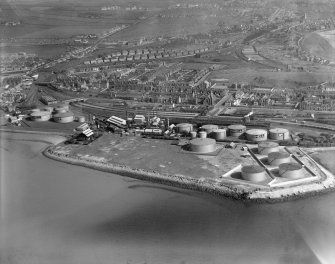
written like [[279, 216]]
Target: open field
[[273, 78], [321, 44], [323, 158], [154, 26], [45, 51], [161, 156]]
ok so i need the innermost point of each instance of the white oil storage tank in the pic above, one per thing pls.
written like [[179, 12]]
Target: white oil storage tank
[[202, 134], [193, 134], [50, 109], [253, 173], [66, 117], [266, 147], [291, 170], [203, 145], [81, 119], [60, 109], [277, 158], [256, 135], [236, 131], [209, 129], [279, 134], [35, 110], [219, 134], [184, 128], [40, 116]]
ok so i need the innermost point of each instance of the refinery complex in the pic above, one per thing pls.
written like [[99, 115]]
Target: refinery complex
[[243, 161], [243, 100]]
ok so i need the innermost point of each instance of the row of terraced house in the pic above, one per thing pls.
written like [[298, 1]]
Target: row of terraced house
[[144, 54]]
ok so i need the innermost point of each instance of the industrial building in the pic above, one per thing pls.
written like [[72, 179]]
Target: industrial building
[[264, 148], [277, 158], [139, 119], [40, 116], [256, 135], [253, 173], [202, 145], [47, 99], [237, 131], [63, 117], [291, 170], [279, 134]]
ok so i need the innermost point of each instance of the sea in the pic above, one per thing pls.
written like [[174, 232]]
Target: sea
[[54, 213]]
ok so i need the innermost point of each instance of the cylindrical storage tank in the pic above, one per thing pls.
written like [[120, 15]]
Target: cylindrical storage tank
[[81, 119], [236, 130], [203, 145], [35, 110], [202, 134], [60, 109], [253, 173], [63, 105], [265, 148], [219, 134], [184, 128], [279, 134], [291, 170], [277, 158], [48, 109], [257, 135], [193, 134], [66, 117], [40, 116], [209, 129]]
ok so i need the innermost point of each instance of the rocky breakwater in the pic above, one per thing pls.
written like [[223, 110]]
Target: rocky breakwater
[[212, 187]]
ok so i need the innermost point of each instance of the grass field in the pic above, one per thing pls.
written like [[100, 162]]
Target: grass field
[[159, 155], [320, 44], [273, 78]]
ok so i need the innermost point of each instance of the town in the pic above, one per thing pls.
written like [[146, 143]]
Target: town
[[233, 84]]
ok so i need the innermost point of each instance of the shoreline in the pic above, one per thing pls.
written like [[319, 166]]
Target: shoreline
[[189, 183], [275, 196]]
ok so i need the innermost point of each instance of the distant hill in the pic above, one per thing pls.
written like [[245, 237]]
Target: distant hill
[[320, 46], [7, 13]]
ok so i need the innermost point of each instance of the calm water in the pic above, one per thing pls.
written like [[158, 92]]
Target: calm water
[[52, 212]]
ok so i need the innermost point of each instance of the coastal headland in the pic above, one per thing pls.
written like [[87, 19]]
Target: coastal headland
[[217, 173]]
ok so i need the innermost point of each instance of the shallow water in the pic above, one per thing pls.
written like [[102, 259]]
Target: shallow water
[[53, 212]]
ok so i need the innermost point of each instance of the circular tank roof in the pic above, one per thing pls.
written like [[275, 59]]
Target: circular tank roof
[[268, 144], [237, 127], [278, 130], [256, 131], [40, 113], [184, 125], [252, 169], [209, 127], [219, 130], [290, 166], [278, 155], [65, 114], [202, 141]]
